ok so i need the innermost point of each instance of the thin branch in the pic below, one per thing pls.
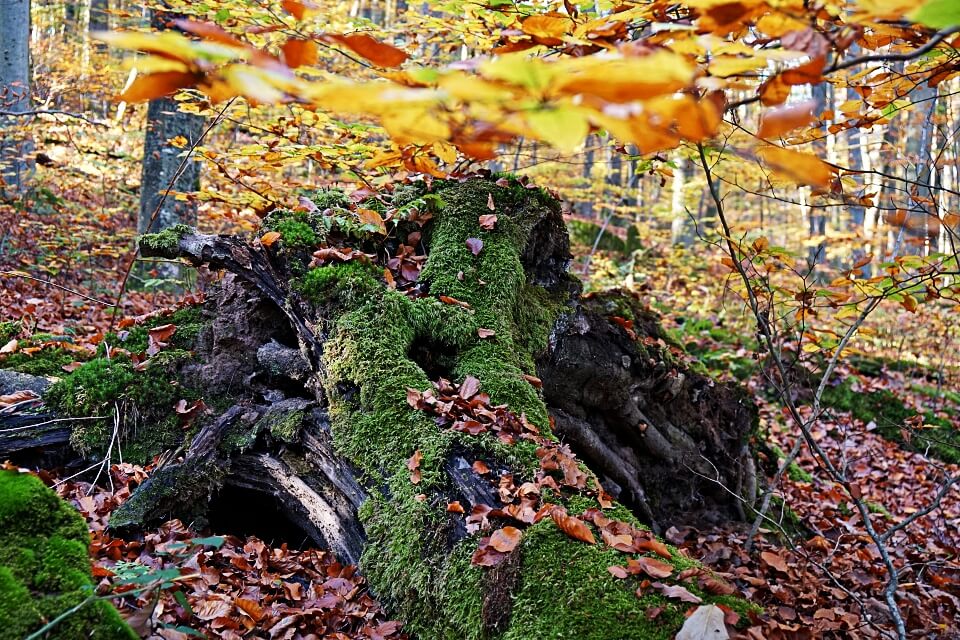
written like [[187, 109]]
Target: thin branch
[[53, 112]]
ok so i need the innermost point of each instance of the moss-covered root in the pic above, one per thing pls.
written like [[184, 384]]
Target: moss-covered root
[[44, 566], [417, 558]]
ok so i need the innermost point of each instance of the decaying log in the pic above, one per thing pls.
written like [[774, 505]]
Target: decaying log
[[320, 364]]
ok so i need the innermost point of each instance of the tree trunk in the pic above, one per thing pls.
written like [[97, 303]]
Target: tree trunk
[[165, 172], [16, 146], [393, 417]]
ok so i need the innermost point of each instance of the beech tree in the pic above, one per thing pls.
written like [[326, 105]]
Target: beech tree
[[16, 147]]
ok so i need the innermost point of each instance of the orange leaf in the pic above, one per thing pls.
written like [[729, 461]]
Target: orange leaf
[[776, 122], [372, 218], [294, 8], [656, 546], [774, 91], [379, 53], [158, 85], [505, 540], [250, 608], [297, 53], [269, 238], [573, 526], [454, 507]]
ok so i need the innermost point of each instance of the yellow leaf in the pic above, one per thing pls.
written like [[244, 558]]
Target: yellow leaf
[[800, 167], [726, 66], [563, 127], [255, 84], [625, 79], [547, 27]]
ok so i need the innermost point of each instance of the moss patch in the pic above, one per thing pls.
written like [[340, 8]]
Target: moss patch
[[165, 242], [44, 567]]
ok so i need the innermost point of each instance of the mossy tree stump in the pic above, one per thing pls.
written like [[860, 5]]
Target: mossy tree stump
[[323, 359]]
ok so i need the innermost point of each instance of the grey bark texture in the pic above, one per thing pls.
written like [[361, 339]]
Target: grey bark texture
[[16, 147]]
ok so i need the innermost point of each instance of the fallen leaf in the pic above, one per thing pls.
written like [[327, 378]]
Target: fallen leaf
[[506, 539], [706, 623]]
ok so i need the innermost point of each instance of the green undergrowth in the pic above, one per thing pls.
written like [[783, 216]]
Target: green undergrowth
[[145, 398], [166, 241], [44, 566], [794, 471], [411, 559], [715, 347], [939, 438], [9, 329]]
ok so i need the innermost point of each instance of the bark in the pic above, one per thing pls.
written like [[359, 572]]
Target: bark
[[16, 146], [317, 366]]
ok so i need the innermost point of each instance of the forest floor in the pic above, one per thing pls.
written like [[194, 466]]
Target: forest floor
[[824, 580]]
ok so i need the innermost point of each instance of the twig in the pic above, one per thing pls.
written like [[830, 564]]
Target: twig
[[20, 274], [53, 112]]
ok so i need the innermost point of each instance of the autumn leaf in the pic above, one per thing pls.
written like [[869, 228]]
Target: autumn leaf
[[377, 52], [489, 221], [797, 166], [680, 593], [776, 122], [705, 623], [297, 52], [775, 561], [572, 526], [650, 566], [548, 28], [372, 218], [269, 238], [475, 245], [506, 539], [158, 85]]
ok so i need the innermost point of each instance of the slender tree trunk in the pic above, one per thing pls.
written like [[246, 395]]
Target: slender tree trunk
[[165, 170], [16, 146]]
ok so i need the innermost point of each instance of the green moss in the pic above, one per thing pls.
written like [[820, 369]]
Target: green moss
[[44, 566], [166, 242], [330, 198], [49, 361], [594, 605], [9, 329], [794, 471], [371, 358], [146, 398]]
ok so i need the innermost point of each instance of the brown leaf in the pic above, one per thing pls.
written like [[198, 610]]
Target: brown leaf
[[618, 572], [480, 467], [413, 462], [469, 387], [489, 221], [775, 561], [650, 566], [656, 546], [379, 53], [454, 507], [680, 593], [506, 539], [490, 205], [294, 8], [250, 608], [10, 347], [486, 333], [572, 526]]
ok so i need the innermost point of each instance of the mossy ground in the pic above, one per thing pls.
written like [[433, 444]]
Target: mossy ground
[[564, 589], [146, 398], [882, 407], [44, 566]]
